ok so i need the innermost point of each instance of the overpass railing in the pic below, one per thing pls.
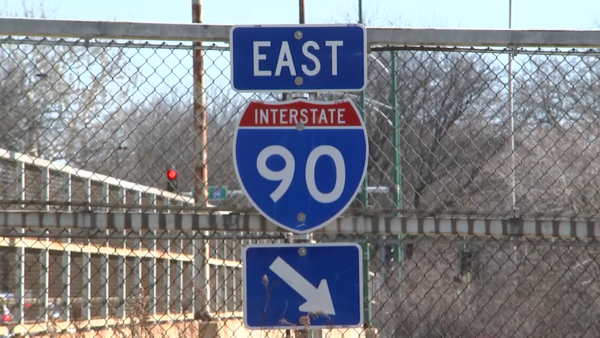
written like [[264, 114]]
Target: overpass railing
[[87, 278]]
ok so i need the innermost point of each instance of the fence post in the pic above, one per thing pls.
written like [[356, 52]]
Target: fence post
[[20, 273], [106, 261], [167, 267], [66, 276], [199, 99], [138, 261], [123, 262], [366, 275], [226, 280], [45, 282], [87, 262], [365, 204], [180, 277], [154, 262], [397, 161], [201, 276], [366, 245]]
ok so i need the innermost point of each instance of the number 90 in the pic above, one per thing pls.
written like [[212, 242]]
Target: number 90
[[286, 175]]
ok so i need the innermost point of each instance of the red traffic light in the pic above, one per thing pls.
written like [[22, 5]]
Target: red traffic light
[[6, 318], [171, 174]]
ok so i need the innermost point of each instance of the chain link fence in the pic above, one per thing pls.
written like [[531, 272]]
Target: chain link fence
[[446, 286], [443, 128], [448, 131], [93, 125]]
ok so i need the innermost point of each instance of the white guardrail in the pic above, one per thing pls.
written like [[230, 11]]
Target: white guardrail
[[88, 177], [21, 162]]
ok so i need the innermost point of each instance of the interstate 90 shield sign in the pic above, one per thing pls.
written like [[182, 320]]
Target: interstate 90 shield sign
[[300, 163]]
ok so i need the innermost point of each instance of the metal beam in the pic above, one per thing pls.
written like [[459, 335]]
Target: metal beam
[[376, 36], [377, 189], [39, 328], [377, 224], [113, 30], [482, 37]]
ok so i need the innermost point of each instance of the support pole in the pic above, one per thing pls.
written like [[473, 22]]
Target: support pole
[[301, 12], [20, 261], [66, 263], [365, 203], [308, 238], [202, 304], [87, 266], [139, 271], [201, 165], [360, 13], [366, 282], [153, 263], [180, 279], [123, 265], [397, 160], [512, 116], [364, 195], [45, 275], [105, 272], [167, 275]]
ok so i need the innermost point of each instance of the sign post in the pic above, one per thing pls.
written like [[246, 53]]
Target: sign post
[[301, 164]]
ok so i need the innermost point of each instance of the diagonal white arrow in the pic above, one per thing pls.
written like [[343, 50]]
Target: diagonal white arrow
[[318, 300]]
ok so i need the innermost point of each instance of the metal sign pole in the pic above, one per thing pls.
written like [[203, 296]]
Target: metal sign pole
[[300, 95], [308, 238]]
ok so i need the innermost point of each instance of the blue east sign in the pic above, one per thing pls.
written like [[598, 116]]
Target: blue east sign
[[298, 58]]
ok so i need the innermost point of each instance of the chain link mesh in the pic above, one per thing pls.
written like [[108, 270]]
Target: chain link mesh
[[445, 286], [126, 110], [94, 126]]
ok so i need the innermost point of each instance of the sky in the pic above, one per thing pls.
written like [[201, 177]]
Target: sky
[[466, 14], [485, 14]]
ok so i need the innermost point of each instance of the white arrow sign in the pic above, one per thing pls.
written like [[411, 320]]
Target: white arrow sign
[[318, 300]]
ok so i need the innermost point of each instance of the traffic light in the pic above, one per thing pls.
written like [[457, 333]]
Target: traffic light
[[172, 180], [6, 315]]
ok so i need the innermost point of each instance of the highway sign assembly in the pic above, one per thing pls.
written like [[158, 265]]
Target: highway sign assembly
[[300, 163], [299, 58], [284, 282]]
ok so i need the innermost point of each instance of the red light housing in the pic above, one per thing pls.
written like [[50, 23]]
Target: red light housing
[[6, 318], [171, 174]]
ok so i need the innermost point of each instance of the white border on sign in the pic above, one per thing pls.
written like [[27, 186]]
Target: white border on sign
[[299, 26], [364, 173], [300, 245]]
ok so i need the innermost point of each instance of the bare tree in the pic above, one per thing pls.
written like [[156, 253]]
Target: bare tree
[[557, 122], [141, 141], [452, 123], [52, 93]]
